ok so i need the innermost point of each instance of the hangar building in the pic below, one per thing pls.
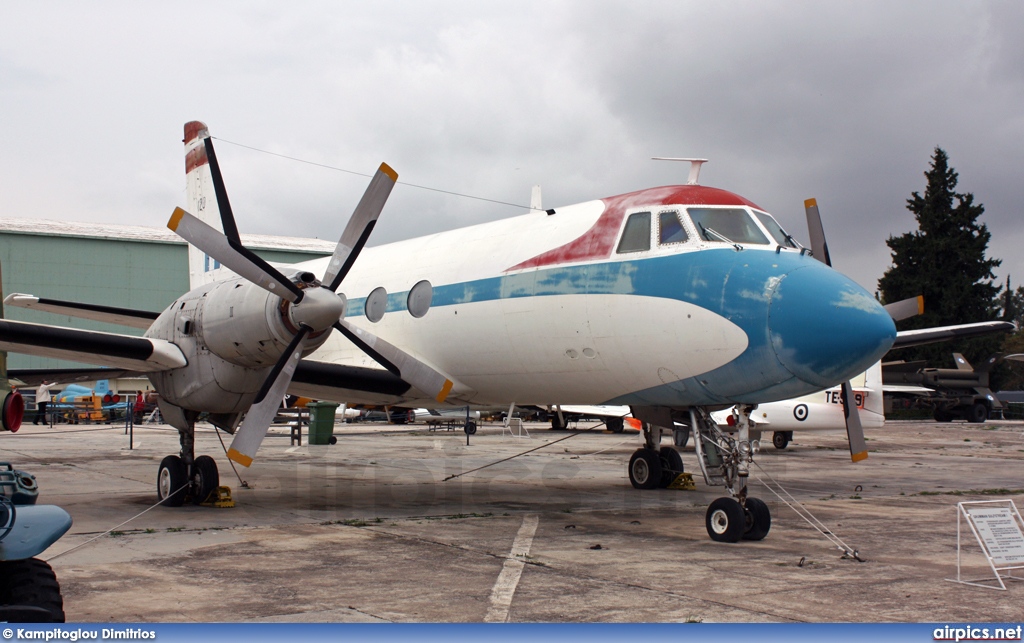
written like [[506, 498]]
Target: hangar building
[[112, 265]]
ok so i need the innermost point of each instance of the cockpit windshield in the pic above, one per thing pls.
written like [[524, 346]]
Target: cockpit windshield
[[721, 224], [774, 229]]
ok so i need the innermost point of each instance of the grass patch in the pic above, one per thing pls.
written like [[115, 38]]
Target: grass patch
[[972, 492]]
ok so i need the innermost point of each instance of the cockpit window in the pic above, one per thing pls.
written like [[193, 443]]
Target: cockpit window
[[636, 236], [670, 228], [731, 225], [774, 229]]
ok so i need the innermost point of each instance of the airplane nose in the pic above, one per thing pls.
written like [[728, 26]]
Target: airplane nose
[[825, 328]]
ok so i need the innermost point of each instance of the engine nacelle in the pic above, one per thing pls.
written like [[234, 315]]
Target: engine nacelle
[[232, 333]]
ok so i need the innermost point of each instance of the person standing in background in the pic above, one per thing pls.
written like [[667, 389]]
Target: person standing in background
[[42, 400]]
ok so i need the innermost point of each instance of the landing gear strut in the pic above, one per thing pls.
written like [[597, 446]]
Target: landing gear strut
[[185, 477]]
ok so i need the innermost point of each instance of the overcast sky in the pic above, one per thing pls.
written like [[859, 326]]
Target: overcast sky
[[842, 101]]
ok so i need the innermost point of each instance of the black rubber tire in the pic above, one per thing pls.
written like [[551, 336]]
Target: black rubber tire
[[757, 519], [205, 478], [470, 427], [556, 424], [172, 475], [615, 425], [977, 413], [780, 439], [31, 583], [725, 520], [942, 415], [332, 440], [645, 469], [671, 465]]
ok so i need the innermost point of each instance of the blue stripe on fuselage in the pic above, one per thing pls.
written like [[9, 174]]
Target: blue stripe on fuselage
[[736, 285]]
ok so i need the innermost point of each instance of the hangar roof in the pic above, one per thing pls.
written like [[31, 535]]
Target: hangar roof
[[146, 234]]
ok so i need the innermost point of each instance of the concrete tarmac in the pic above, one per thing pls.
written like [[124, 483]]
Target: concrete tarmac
[[369, 530]]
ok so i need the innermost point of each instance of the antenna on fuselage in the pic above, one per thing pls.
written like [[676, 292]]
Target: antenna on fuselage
[[694, 166]]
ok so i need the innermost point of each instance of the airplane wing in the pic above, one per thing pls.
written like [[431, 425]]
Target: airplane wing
[[142, 319], [35, 376], [144, 354], [906, 338], [595, 410]]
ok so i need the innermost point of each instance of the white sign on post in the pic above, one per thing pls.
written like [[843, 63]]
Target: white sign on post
[[997, 526], [1001, 534]]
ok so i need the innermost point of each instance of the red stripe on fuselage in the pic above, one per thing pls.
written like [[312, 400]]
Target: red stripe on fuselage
[[599, 241]]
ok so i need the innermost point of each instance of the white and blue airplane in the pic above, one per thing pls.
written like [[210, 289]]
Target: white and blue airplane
[[675, 301]]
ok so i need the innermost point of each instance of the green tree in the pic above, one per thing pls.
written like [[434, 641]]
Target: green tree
[[944, 260]]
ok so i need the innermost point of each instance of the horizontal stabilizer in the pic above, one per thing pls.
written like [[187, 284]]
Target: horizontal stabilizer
[[142, 319], [906, 338], [144, 354]]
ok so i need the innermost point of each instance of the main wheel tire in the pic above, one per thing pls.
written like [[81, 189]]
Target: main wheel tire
[[645, 469], [31, 584], [780, 439], [757, 519], [671, 465], [942, 415], [556, 424], [470, 427], [171, 482], [725, 520], [977, 413], [205, 478], [615, 425]]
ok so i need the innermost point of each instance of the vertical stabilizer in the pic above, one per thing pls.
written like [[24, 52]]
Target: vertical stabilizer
[[202, 200], [873, 383]]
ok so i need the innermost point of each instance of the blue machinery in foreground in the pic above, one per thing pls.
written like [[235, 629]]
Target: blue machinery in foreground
[[29, 592]]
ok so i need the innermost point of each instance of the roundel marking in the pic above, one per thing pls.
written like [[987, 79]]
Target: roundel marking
[[800, 412]]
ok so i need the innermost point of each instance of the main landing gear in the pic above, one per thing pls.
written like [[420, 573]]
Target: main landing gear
[[185, 478], [724, 460]]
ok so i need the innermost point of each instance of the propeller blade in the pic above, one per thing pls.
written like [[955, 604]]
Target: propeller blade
[[906, 308], [227, 218], [399, 362], [232, 255], [819, 247], [854, 429], [260, 415], [360, 225]]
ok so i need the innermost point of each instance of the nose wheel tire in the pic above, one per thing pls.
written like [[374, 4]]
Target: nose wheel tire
[[725, 520], [171, 482], [757, 519], [645, 469], [205, 478]]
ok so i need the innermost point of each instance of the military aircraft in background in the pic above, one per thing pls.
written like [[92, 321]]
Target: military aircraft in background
[[674, 301]]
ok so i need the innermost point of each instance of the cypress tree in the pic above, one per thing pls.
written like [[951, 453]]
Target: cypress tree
[[944, 260]]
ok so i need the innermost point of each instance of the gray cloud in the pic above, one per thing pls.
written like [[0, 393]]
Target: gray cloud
[[843, 101]]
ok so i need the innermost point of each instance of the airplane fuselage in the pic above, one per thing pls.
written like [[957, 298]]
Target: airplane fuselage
[[544, 308]]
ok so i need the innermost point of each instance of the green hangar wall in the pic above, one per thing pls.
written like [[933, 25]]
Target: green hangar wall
[[123, 266]]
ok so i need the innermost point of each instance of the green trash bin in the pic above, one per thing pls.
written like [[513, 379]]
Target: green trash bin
[[321, 422]]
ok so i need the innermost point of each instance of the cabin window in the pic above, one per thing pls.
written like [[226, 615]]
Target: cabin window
[[670, 228], [774, 229], [636, 236], [726, 225]]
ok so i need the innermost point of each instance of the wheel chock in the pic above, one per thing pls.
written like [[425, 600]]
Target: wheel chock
[[220, 498], [683, 482]]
